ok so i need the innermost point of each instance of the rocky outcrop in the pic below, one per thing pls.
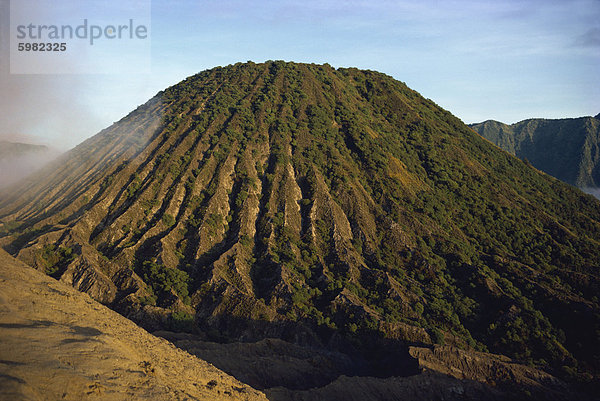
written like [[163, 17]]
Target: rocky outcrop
[[493, 370]]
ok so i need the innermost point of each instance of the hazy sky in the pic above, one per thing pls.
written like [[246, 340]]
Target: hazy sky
[[502, 60]]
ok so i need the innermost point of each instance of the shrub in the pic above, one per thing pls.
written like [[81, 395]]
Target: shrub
[[182, 322], [163, 279]]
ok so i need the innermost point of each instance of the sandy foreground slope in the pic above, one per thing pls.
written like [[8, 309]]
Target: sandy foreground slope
[[58, 343]]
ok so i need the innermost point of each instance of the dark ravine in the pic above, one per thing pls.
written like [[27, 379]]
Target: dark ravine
[[333, 209], [284, 371]]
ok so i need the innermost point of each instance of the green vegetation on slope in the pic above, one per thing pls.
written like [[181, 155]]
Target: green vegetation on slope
[[344, 201]]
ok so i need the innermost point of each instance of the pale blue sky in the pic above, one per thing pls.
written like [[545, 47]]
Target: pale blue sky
[[503, 60]]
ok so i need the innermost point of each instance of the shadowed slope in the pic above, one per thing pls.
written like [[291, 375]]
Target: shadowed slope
[[568, 149]]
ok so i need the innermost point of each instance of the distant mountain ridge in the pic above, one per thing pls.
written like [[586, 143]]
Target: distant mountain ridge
[[15, 149], [568, 149], [18, 160]]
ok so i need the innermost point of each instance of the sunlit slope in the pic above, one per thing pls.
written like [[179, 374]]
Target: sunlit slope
[[56, 343]]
